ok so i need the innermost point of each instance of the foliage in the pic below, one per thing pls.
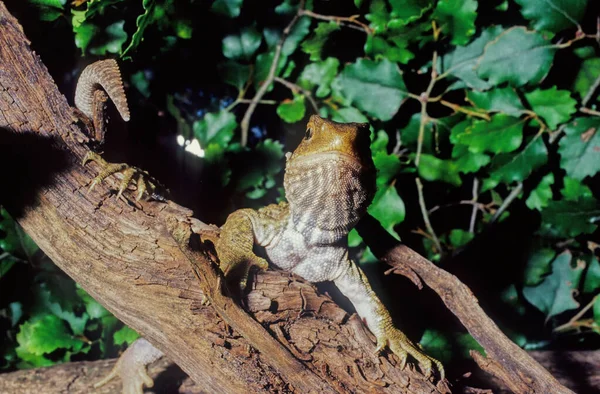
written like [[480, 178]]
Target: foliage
[[473, 98]]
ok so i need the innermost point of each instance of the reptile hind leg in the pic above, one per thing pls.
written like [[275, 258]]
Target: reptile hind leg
[[129, 173]]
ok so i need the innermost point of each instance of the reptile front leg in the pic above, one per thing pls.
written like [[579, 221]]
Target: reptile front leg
[[354, 284], [130, 173]]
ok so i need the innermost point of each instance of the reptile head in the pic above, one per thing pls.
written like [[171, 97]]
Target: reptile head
[[330, 179], [350, 140]]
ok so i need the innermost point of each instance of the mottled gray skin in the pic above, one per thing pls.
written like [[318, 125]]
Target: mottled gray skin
[[329, 183]]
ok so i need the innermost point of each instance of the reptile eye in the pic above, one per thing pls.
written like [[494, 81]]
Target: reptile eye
[[309, 134]]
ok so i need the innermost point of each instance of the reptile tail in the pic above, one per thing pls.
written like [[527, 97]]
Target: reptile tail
[[105, 74]]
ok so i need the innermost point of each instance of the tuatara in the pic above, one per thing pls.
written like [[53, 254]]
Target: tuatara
[[329, 183]]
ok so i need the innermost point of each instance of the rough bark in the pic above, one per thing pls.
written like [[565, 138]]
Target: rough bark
[[78, 377], [123, 255], [504, 359]]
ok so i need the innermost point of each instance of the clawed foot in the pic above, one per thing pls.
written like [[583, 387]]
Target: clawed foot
[[131, 367], [130, 173], [401, 346], [239, 271]]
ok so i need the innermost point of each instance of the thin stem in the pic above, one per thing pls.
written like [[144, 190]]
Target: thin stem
[[569, 324], [296, 88], [476, 205], [589, 111], [511, 197], [425, 118], [423, 206], [339, 19], [245, 123], [458, 108], [474, 210]]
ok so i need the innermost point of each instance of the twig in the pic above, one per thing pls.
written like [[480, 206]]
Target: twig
[[477, 205], [474, 210], [339, 19], [425, 118], [590, 93], [248, 101], [589, 111], [245, 124], [458, 108], [569, 324], [296, 88], [434, 237], [513, 194]]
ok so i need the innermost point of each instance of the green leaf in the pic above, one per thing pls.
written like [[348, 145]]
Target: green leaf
[[287, 7], [320, 74], [263, 66], [437, 344], [10, 241], [388, 208], [151, 13], [555, 294], [234, 74], [538, 266], [92, 307], [215, 128], [555, 106], [461, 62], [568, 219], [394, 46], [596, 310], [459, 238], [406, 11], [504, 100], [433, 169], [292, 111], [125, 335], [516, 167], [591, 284], [539, 197], [573, 190], [297, 34], [388, 166], [457, 19], [502, 134], [229, 8], [348, 114], [315, 43], [113, 39], [580, 148], [84, 31], [587, 74], [50, 10], [242, 46], [45, 335], [553, 15], [534, 51], [141, 83], [409, 135], [376, 88], [468, 162]]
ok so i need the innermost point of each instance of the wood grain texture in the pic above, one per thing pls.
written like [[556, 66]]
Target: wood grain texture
[[124, 256]]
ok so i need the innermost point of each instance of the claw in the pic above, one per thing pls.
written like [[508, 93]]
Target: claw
[[401, 346]]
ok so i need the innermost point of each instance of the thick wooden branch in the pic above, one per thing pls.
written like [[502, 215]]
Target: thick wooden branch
[[125, 257], [505, 360]]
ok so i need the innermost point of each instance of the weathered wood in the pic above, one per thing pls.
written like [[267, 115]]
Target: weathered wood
[[123, 255], [576, 370], [504, 359]]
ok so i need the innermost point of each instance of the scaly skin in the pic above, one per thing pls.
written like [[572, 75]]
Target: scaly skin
[[329, 183]]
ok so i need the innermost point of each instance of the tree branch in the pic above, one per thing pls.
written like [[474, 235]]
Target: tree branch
[[505, 359]]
